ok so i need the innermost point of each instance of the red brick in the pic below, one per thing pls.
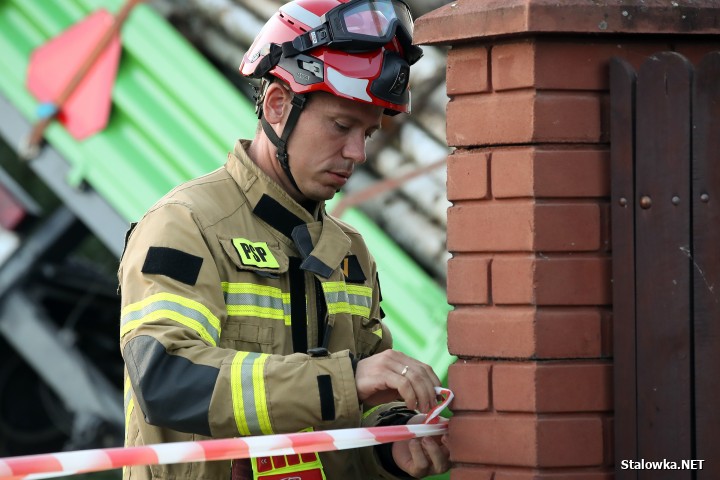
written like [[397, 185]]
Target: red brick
[[607, 334], [490, 227], [491, 332], [566, 474], [572, 281], [569, 118], [526, 440], [524, 333], [470, 382], [573, 65], [513, 65], [567, 227], [609, 439], [513, 387], [494, 439], [467, 177], [536, 172], [524, 116], [605, 227], [562, 280], [465, 472], [467, 280], [569, 333], [572, 173], [513, 280], [574, 387], [513, 173], [516, 474], [570, 64], [505, 118], [577, 64], [467, 70], [569, 441]]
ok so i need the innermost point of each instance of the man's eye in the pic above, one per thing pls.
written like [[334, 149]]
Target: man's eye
[[341, 127]]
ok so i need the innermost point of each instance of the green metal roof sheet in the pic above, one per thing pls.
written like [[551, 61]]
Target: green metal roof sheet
[[175, 117]]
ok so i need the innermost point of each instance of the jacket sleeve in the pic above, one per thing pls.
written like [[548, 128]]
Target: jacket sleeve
[[172, 314]]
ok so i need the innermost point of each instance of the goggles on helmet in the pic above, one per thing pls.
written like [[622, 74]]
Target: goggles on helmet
[[362, 26]]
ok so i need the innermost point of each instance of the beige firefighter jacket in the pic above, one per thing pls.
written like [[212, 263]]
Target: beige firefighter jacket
[[214, 279]]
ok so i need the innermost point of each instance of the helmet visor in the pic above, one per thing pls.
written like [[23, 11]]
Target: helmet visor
[[376, 19], [363, 26]]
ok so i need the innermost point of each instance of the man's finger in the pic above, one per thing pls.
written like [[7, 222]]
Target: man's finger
[[437, 453], [421, 463], [423, 387]]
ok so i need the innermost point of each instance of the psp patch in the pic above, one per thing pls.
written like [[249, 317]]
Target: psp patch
[[256, 254]]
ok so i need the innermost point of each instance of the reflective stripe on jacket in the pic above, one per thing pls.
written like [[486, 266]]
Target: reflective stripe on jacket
[[226, 284]]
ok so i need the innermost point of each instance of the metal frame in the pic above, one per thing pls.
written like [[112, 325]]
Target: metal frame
[[104, 221], [80, 385]]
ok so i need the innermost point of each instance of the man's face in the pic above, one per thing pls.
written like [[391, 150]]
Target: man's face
[[327, 143]]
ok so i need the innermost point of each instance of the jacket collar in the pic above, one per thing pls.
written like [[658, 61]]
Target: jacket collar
[[320, 241]]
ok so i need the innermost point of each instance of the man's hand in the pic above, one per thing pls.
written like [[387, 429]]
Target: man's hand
[[390, 375], [421, 457]]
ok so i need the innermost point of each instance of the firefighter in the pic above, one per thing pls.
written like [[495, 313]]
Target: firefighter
[[246, 308]]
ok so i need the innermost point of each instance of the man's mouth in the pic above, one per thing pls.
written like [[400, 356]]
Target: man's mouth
[[340, 177]]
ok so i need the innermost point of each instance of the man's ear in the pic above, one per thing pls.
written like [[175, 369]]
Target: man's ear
[[274, 103]]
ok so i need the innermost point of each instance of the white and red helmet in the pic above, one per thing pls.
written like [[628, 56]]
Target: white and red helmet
[[357, 49]]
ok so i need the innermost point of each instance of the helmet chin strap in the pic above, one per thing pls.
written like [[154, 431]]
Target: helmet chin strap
[[297, 105]]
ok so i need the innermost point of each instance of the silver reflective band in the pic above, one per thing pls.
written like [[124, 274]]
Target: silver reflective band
[[300, 14]]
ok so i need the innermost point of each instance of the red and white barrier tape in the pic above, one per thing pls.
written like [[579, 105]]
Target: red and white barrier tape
[[84, 461]]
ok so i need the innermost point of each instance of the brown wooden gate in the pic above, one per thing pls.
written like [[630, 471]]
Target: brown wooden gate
[[665, 145]]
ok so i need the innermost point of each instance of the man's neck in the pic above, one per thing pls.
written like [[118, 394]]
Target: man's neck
[[263, 155]]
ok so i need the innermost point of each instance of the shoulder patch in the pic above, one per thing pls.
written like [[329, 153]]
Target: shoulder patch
[[176, 264], [352, 270], [255, 254]]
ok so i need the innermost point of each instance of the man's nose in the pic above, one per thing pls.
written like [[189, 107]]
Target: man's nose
[[354, 148]]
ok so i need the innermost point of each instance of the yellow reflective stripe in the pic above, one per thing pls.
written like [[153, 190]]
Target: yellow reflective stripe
[[129, 404], [237, 396], [252, 288], [338, 307], [359, 290], [370, 412], [360, 310], [249, 397], [332, 287], [170, 315], [352, 299], [262, 301], [378, 332], [260, 312], [185, 311], [131, 407], [260, 395]]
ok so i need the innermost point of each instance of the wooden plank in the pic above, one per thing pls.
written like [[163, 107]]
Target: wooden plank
[[622, 127], [706, 263], [663, 275]]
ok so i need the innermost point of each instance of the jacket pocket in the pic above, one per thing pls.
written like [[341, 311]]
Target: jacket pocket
[[249, 334], [367, 341]]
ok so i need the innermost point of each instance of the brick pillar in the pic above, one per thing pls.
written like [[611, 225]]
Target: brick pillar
[[530, 276]]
